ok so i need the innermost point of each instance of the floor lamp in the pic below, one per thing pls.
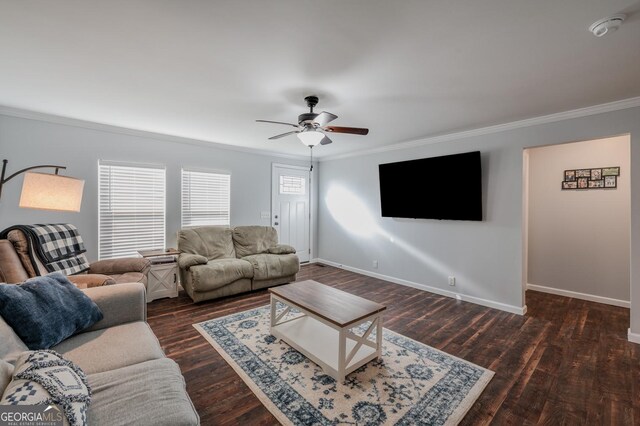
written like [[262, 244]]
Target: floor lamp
[[47, 191]]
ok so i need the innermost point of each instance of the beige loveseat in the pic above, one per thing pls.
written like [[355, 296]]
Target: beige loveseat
[[217, 261], [132, 381]]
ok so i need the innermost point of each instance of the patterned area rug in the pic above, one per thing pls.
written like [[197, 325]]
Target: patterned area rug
[[413, 384]]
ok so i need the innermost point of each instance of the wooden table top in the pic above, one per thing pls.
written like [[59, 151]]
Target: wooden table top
[[155, 253], [333, 305]]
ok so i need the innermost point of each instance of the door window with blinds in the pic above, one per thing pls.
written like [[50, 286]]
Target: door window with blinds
[[131, 209], [206, 198], [292, 185]]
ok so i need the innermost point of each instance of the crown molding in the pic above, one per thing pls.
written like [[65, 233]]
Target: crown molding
[[528, 122], [91, 125], [551, 118]]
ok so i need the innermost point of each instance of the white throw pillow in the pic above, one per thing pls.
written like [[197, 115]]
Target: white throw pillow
[[45, 377]]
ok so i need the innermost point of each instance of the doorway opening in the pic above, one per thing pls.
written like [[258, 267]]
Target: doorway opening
[[577, 220]]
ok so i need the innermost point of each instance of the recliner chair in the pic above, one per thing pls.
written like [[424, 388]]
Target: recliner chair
[[16, 266]]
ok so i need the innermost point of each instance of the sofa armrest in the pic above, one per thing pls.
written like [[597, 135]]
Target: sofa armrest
[[91, 280], [120, 266], [281, 249], [120, 304], [187, 260]]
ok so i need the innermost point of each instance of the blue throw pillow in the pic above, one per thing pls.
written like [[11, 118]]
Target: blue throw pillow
[[44, 311]]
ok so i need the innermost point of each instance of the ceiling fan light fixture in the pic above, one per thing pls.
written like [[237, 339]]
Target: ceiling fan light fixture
[[310, 137]]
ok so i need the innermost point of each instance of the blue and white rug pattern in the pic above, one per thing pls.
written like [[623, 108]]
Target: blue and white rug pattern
[[413, 384]]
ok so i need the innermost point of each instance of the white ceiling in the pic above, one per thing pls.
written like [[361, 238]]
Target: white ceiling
[[405, 69]]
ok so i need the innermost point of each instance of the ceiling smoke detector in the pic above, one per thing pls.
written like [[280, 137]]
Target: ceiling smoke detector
[[607, 25]]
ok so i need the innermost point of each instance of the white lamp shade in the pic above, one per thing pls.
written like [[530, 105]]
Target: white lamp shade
[[51, 192], [310, 137]]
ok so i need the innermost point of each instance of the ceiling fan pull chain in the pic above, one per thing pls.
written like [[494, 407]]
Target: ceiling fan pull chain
[[311, 165]]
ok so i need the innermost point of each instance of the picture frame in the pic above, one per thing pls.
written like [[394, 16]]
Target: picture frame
[[583, 183], [611, 171], [595, 178]]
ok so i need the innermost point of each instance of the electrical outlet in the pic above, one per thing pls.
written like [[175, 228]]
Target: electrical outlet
[[375, 264], [452, 281]]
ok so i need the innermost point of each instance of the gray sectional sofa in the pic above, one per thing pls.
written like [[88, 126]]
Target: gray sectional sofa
[[218, 261], [132, 381]]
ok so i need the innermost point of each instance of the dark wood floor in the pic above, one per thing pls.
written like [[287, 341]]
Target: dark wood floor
[[566, 362]]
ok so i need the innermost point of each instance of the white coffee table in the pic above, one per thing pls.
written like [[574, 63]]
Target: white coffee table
[[323, 329]]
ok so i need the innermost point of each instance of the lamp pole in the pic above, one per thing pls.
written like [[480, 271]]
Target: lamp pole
[[4, 168]]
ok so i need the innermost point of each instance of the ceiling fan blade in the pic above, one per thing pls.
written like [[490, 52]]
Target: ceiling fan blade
[[324, 118], [325, 141], [283, 135], [277, 122], [351, 130]]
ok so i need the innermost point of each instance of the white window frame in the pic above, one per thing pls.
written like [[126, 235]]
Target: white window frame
[[182, 195], [101, 163]]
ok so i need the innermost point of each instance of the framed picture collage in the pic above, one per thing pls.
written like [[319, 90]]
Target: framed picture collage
[[600, 178]]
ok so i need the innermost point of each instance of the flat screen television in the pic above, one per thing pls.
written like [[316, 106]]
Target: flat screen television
[[448, 187]]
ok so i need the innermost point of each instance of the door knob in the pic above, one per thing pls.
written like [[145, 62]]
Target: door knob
[[275, 223]]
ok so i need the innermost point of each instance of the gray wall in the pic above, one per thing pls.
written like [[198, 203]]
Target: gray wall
[[579, 240], [27, 142], [486, 257]]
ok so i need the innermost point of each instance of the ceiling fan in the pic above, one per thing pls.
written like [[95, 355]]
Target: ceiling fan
[[311, 127]]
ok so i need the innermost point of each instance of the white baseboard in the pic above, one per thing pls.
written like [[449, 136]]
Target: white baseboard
[[582, 296], [633, 337], [478, 301]]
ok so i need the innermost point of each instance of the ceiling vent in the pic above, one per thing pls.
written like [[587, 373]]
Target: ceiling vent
[[607, 25]]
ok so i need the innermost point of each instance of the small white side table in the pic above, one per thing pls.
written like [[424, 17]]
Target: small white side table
[[163, 278]]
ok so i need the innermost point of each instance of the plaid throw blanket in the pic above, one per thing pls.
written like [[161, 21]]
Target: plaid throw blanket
[[58, 246]]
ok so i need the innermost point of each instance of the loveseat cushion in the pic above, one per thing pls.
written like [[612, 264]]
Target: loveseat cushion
[[250, 240], [130, 277], [212, 242], [149, 393], [111, 348], [268, 266], [6, 372], [10, 344], [218, 273]]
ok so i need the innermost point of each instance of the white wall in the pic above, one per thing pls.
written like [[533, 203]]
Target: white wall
[[579, 239], [486, 257], [28, 142]]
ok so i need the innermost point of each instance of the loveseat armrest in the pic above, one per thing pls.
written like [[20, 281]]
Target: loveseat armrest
[[120, 304], [90, 280], [187, 260], [120, 266], [281, 249]]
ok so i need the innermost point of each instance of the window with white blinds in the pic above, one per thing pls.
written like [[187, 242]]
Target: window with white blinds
[[206, 198], [131, 209]]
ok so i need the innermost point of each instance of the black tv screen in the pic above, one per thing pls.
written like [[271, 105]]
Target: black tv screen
[[448, 187]]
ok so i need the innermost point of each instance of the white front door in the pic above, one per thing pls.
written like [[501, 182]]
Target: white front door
[[290, 212]]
